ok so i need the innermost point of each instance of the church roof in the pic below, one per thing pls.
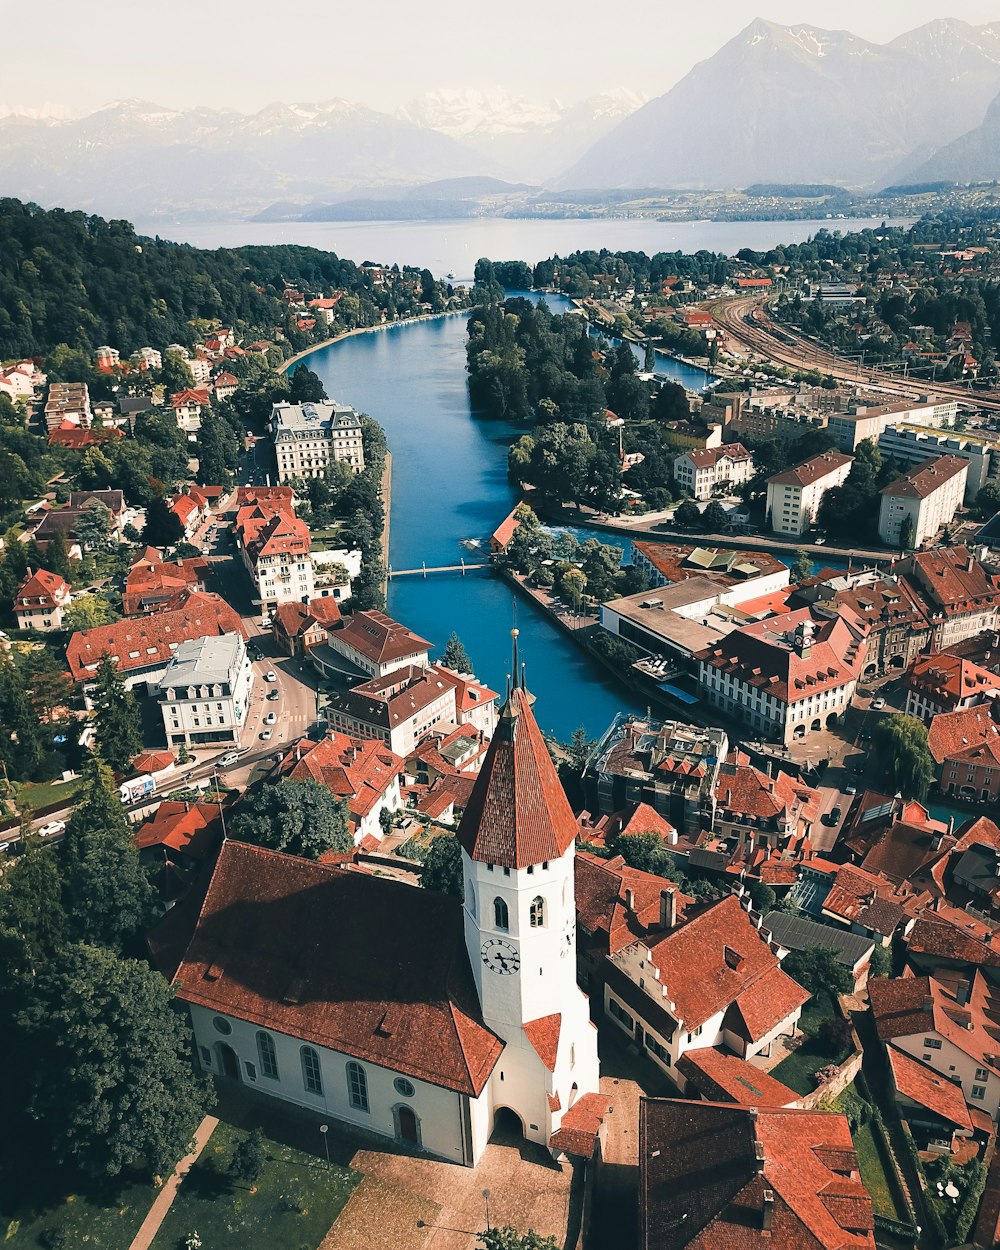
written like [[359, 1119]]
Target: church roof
[[518, 813], [333, 957]]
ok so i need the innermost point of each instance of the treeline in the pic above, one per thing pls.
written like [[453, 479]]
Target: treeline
[[575, 274], [78, 281]]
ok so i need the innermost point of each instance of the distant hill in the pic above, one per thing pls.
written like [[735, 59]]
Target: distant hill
[[792, 104], [974, 157]]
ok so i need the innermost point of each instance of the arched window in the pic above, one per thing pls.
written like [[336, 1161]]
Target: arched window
[[312, 1078], [357, 1086], [500, 917], [268, 1057], [537, 912], [470, 892]]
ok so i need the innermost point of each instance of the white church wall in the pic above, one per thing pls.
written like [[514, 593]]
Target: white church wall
[[439, 1111]]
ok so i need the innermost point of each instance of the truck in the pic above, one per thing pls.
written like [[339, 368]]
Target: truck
[[136, 789]]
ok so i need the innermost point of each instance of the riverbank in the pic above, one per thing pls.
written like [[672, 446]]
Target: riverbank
[[385, 325], [385, 490]]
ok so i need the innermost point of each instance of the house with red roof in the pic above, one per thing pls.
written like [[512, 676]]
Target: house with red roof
[[940, 682], [225, 384], [438, 1020], [714, 981], [298, 627], [152, 582], [276, 555], [776, 812], [966, 749], [175, 843], [503, 533], [187, 509], [723, 1176], [374, 643], [718, 1077], [189, 406], [364, 773], [41, 599], [701, 471]]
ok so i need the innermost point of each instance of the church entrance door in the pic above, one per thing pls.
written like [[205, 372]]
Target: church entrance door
[[408, 1125], [230, 1064]]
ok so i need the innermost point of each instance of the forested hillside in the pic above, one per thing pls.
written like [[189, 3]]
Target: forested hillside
[[67, 278]]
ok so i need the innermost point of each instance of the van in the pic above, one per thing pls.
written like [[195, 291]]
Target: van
[[229, 760]]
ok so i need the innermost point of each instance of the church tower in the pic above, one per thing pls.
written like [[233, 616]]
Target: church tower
[[518, 837]]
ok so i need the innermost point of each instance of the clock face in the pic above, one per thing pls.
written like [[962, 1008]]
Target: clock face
[[500, 957]]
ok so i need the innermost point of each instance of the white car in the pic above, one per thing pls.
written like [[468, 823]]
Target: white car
[[52, 829], [878, 703], [229, 760], [270, 718], [265, 735], [270, 675]]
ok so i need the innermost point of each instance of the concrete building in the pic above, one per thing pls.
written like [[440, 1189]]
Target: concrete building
[[793, 497], [703, 471], [917, 506], [913, 444], [205, 691], [68, 402], [309, 437], [940, 682], [868, 421]]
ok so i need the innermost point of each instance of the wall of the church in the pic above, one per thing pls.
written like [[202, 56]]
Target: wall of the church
[[447, 1124]]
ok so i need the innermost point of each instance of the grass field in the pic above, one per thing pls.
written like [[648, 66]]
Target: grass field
[[798, 1070], [296, 1201], [107, 1221], [32, 795]]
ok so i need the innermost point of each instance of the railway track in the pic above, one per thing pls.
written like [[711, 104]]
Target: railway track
[[748, 322]]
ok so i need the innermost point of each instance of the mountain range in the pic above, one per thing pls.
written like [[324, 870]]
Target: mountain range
[[776, 104]]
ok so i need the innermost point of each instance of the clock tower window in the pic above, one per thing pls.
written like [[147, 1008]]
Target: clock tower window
[[537, 915], [501, 919]]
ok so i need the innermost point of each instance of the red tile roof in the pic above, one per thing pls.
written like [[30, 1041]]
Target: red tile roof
[[193, 828], [952, 734], [727, 1078], [603, 906], [922, 1085], [925, 478], [261, 952], [708, 1172], [543, 1034], [148, 641], [152, 761], [356, 769], [41, 589], [191, 395], [280, 534], [379, 638], [952, 581], [504, 532], [673, 561], [580, 1128], [518, 814], [151, 582], [947, 679], [707, 457], [294, 619], [812, 470]]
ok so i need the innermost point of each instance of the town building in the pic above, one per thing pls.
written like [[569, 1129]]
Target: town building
[[741, 575], [761, 811], [190, 405], [966, 750], [41, 600], [794, 496], [364, 773], [67, 402], [141, 648], [309, 437], [432, 1044], [205, 690], [787, 675], [712, 981], [376, 644], [958, 594], [276, 555], [946, 683], [151, 581], [299, 627], [670, 766], [914, 507], [913, 444], [703, 471], [762, 1177], [862, 422]]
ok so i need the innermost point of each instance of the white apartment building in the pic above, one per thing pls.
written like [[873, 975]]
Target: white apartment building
[[309, 437], [927, 497], [205, 691], [912, 444], [703, 470], [861, 422], [793, 497]]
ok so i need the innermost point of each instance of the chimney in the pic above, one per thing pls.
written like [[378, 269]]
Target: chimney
[[970, 563], [668, 908], [630, 900], [767, 1213]]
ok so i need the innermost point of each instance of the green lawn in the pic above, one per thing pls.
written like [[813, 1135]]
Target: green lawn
[[34, 795], [297, 1200], [797, 1071], [873, 1175], [106, 1221]]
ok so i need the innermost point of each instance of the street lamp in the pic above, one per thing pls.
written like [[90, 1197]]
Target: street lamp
[[324, 1129], [218, 792], [486, 1200]]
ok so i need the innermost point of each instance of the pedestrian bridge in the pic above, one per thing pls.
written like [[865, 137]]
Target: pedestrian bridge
[[463, 567]]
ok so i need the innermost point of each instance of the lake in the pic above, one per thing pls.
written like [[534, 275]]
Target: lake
[[447, 247]]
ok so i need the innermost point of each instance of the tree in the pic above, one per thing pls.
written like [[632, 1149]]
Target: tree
[[117, 718], [573, 584], [442, 868], [22, 744], [57, 555], [93, 526], [163, 528], [456, 657], [907, 532], [762, 897], [580, 747], [111, 1084], [87, 612], [218, 451], [688, 515], [31, 901], [881, 962], [508, 1238], [306, 386], [816, 969], [249, 1157], [802, 568], [714, 519], [105, 891], [385, 821], [899, 748], [298, 817]]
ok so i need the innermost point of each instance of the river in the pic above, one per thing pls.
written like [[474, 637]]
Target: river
[[453, 247]]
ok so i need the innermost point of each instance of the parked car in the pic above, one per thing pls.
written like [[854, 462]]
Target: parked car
[[52, 829], [850, 789], [229, 760], [273, 694], [270, 718], [270, 675], [878, 704], [265, 735]]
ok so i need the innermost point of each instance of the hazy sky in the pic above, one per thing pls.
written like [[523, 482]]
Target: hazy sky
[[247, 53]]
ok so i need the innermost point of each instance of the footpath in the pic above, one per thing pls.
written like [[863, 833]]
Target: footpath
[[158, 1211]]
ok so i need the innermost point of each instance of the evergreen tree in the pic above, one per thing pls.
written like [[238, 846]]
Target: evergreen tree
[[688, 515], [163, 528], [105, 891], [22, 741], [249, 1157], [306, 386], [218, 451], [117, 718], [802, 568], [111, 1085], [298, 817], [31, 900], [456, 657], [57, 556]]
